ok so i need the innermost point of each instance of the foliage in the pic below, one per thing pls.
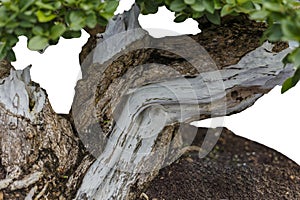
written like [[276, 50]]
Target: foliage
[[282, 17], [43, 22]]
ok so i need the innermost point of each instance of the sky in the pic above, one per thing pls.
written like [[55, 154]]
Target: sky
[[272, 120]]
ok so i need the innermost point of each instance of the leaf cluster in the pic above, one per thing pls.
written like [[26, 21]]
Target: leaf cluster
[[43, 22], [283, 19], [213, 10]]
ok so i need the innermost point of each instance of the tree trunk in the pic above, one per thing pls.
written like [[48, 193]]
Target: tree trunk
[[36, 143], [130, 112], [137, 92]]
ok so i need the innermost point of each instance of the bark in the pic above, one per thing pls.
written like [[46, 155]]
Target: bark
[[36, 143], [136, 109], [130, 112]]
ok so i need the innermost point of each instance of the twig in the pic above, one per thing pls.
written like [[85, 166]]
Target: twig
[[144, 195], [42, 192]]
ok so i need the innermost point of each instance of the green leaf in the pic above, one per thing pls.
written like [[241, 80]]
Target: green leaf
[[297, 57], [26, 24], [232, 2], [111, 6], [290, 30], [42, 17], [181, 18], [91, 20], [288, 84], [77, 20], [189, 2], [218, 4], [24, 4], [167, 2], [226, 10], [3, 52], [11, 56], [57, 30], [37, 43], [106, 17], [142, 7], [214, 18], [12, 25], [272, 6], [197, 15], [293, 57], [177, 5], [12, 40], [76, 16], [246, 8], [102, 20], [71, 34], [274, 33], [37, 30], [46, 6], [20, 31], [86, 6], [70, 2], [291, 82], [240, 2], [198, 6], [151, 7], [57, 5], [53, 42], [3, 16], [296, 76], [29, 17], [209, 6], [15, 8], [259, 15]]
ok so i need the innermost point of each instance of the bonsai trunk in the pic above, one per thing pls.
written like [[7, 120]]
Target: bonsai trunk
[[131, 111], [138, 93]]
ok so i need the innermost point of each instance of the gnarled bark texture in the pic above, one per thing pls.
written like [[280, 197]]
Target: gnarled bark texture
[[137, 91], [36, 143], [130, 111]]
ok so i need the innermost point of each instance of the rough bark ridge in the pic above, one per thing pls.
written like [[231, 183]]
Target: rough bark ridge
[[135, 109], [35, 141]]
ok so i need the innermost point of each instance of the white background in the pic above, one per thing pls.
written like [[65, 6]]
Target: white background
[[272, 121]]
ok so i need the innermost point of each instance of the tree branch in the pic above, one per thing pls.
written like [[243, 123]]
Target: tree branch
[[130, 112]]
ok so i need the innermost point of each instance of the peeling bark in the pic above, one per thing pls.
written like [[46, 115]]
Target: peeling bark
[[129, 111], [36, 143]]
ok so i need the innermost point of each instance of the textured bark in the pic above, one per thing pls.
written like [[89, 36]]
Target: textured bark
[[130, 110], [135, 107], [36, 143]]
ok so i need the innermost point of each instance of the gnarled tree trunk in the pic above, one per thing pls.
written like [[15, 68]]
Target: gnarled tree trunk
[[138, 92], [130, 111]]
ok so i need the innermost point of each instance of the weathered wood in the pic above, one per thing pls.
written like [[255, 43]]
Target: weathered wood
[[130, 113], [36, 143]]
